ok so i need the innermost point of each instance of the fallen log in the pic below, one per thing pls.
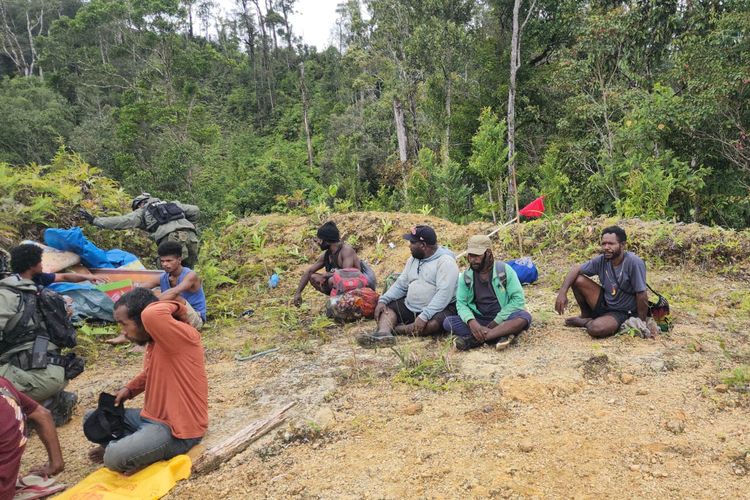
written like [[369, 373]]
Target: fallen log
[[237, 443]]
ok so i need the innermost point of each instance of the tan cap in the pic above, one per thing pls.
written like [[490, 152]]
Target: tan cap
[[478, 244]]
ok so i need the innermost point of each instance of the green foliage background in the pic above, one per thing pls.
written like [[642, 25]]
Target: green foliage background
[[637, 109]]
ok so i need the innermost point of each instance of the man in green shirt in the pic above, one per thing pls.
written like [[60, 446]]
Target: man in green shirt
[[489, 299]]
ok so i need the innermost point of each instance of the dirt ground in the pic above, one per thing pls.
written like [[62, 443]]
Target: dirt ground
[[558, 415]]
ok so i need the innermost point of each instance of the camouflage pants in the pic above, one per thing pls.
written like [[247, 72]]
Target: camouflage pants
[[190, 246], [37, 384]]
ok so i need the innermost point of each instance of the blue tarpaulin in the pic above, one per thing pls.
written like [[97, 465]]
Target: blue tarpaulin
[[73, 240], [88, 301]]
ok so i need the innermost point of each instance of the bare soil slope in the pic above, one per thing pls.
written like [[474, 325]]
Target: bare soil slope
[[556, 416]]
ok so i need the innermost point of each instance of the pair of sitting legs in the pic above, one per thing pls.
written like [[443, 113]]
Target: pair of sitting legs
[[147, 442], [398, 319], [598, 321], [321, 282], [494, 334]]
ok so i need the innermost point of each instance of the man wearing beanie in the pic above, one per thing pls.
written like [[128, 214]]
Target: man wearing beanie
[[489, 299], [336, 255], [423, 295]]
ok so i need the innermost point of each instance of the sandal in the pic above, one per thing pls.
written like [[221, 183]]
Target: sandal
[[504, 342]]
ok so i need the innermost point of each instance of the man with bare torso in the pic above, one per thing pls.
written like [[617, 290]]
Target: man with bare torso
[[336, 255]]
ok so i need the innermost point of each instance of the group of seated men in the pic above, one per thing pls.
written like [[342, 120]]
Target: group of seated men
[[485, 304], [174, 416]]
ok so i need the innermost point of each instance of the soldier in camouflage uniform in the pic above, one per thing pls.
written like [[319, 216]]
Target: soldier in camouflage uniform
[[178, 226]]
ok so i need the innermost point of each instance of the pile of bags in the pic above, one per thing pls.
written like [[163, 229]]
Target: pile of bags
[[351, 299]]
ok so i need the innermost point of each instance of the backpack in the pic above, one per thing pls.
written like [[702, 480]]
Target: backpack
[[352, 306], [48, 315], [346, 280], [659, 310], [499, 270], [525, 270], [163, 212]]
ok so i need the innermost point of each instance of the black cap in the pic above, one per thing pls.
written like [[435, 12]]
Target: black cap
[[422, 233]]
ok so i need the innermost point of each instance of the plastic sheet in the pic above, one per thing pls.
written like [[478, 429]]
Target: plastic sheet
[[73, 240], [88, 301]]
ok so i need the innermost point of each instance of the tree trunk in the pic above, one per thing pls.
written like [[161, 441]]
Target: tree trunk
[[398, 115], [512, 201], [247, 19], [489, 194], [269, 8], [414, 130], [446, 149], [303, 90], [266, 60]]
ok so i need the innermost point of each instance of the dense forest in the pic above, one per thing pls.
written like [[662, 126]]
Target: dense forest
[[635, 108]]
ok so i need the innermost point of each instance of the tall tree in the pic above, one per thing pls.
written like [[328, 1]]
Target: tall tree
[[515, 65]]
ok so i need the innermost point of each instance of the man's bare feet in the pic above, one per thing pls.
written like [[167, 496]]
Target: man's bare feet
[[96, 455], [119, 340], [577, 322]]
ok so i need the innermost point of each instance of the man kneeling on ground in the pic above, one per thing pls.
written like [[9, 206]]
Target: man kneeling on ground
[[179, 283], [336, 255], [174, 417], [24, 342], [423, 295], [489, 299], [621, 295]]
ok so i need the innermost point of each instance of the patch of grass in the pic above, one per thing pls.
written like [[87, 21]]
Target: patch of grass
[[287, 317], [740, 302], [429, 372], [321, 326], [302, 344], [739, 378], [90, 338]]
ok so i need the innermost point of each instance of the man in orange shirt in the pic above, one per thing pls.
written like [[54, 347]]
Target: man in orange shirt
[[174, 417]]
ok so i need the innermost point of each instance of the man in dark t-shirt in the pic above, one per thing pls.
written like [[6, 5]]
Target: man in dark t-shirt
[[489, 299], [15, 409], [620, 294]]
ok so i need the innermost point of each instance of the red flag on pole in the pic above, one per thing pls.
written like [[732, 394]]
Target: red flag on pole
[[533, 209]]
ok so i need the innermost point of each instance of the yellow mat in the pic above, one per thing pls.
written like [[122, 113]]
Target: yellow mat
[[154, 481]]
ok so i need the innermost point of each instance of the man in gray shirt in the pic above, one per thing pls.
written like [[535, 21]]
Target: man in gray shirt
[[622, 292], [423, 295]]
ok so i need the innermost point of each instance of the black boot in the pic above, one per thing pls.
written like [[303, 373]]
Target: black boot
[[61, 406]]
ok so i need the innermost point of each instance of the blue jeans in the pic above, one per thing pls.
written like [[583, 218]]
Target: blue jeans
[[151, 442], [456, 326]]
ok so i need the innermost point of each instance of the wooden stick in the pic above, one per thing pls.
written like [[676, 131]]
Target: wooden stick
[[257, 355], [239, 442]]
